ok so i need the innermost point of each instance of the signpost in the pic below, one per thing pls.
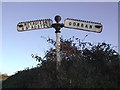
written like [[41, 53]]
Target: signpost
[[68, 23], [83, 25]]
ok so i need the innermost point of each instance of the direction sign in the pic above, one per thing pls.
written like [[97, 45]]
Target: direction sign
[[83, 25], [33, 25]]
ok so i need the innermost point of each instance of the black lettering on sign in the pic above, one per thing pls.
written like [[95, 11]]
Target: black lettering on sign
[[32, 27], [74, 24], [82, 25], [86, 26], [70, 23], [78, 24], [90, 27]]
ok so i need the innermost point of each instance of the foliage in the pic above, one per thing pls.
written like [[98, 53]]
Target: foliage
[[83, 65]]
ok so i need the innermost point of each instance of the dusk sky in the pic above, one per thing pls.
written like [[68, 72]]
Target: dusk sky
[[17, 47]]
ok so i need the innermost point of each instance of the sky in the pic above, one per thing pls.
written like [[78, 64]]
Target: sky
[[17, 47]]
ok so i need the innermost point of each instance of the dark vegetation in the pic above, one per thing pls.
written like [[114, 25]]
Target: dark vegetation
[[83, 65]]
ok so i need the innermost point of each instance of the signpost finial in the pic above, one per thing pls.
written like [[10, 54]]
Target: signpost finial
[[57, 18]]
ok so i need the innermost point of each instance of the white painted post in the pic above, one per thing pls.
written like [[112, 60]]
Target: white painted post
[[58, 50], [57, 27]]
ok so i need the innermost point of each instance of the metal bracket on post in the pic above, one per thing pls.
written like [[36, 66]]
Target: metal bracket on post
[[57, 27]]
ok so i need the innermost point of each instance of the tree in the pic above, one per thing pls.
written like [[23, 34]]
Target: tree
[[83, 65]]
